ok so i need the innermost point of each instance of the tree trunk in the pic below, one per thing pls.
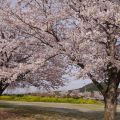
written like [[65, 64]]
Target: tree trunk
[[110, 109], [110, 99], [3, 87], [1, 91]]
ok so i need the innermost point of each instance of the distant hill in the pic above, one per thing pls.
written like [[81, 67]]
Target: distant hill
[[90, 88]]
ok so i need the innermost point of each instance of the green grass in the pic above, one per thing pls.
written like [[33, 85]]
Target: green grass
[[30, 98]]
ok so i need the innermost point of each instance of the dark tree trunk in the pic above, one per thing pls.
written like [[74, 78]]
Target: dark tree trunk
[[110, 93], [110, 99], [1, 91], [3, 87], [110, 109]]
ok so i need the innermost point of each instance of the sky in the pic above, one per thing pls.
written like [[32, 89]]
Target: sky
[[74, 84]]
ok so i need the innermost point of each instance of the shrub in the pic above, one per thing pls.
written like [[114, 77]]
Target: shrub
[[31, 98]]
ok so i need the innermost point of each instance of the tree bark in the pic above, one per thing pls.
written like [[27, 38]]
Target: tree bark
[[3, 87], [1, 91], [110, 99], [110, 109]]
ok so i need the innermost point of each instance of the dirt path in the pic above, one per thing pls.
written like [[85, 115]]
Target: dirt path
[[58, 106], [14, 110]]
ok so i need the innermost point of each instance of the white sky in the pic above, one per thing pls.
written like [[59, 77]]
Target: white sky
[[74, 84]]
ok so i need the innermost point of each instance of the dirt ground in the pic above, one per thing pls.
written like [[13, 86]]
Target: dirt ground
[[50, 111], [17, 114]]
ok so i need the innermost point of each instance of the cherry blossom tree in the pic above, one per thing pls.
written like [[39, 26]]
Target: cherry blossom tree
[[46, 77], [86, 31], [21, 61], [24, 60]]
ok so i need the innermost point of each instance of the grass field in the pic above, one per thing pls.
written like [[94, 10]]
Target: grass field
[[30, 98]]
